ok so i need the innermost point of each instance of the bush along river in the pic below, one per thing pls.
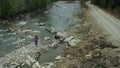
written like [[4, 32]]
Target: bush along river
[[58, 16]]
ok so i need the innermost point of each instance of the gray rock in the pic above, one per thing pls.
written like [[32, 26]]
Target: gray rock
[[54, 45], [36, 65], [60, 34], [73, 42], [51, 30], [88, 56], [41, 24], [58, 57], [69, 39], [46, 38], [34, 21]]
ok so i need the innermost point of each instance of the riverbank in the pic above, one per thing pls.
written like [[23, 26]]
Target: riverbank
[[93, 51], [23, 16]]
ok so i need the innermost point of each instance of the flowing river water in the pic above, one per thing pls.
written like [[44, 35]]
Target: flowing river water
[[58, 16]]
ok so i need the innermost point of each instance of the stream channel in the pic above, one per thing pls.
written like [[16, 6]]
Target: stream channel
[[59, 16]]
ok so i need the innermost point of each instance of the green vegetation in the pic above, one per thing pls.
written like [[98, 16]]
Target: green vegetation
[[82, 2], [12, 7], [111, 5]]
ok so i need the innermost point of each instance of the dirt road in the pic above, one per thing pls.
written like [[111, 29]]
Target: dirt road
[[109, 24]]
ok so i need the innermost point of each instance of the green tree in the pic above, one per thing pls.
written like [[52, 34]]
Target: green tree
[[82, 2], [4, 8], [11, 7]]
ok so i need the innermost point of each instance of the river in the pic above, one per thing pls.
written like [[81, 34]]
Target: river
[[58, 16]]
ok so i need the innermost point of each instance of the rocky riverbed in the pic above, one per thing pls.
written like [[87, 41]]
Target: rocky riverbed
[[20, 33], [51, 33], [29, 54]]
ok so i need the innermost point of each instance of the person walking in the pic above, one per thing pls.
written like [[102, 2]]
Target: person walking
[[36, 40]]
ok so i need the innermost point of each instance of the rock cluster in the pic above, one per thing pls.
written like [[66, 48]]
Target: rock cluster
[[63, 37], [27, 54], [22, 56]]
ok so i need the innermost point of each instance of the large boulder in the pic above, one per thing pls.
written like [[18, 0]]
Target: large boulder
[[58, 57], [73, 42], [60, 34], [69, 39]]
